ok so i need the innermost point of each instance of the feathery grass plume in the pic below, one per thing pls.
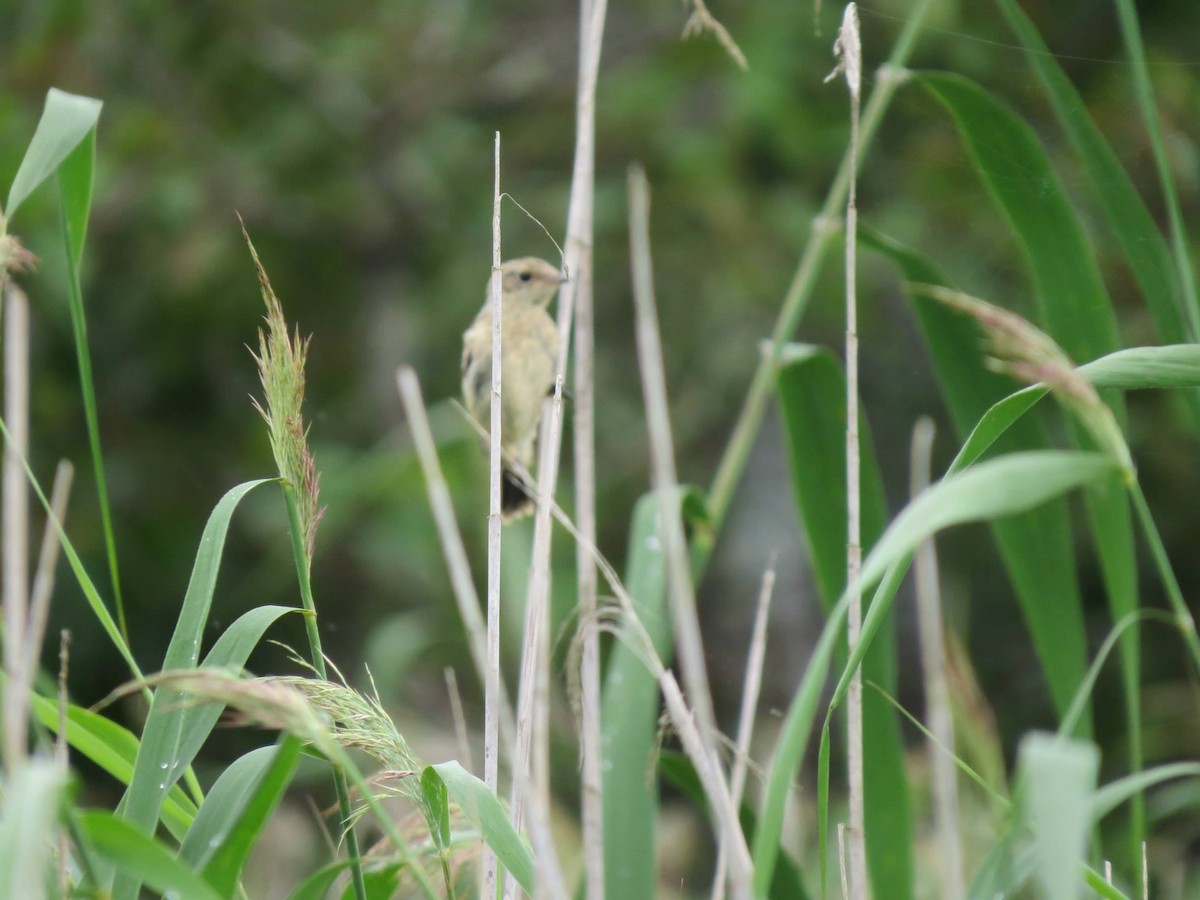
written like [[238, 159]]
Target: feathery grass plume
[[358, 722], [1020, 349], [281, 359]]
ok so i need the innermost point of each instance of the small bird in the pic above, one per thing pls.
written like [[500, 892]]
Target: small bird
[[529, 358]]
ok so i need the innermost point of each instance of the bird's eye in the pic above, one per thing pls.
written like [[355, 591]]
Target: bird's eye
[[526, 276]]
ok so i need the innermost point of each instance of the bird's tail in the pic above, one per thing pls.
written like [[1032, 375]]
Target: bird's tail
[[515, 499]]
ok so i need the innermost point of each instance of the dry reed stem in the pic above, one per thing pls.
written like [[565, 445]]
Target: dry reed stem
[[750, 688], [43, 581], [634, 633], [530, 769], [701, 20], [577, 259], [662, 458], [591, 782], [708, 769], [455, 553], [937, 690], [888, 79], [849, 52], [15, 519], [492, 679], [60, 744]]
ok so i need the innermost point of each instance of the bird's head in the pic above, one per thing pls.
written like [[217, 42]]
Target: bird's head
[[530, 280]]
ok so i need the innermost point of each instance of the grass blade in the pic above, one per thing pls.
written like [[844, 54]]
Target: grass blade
[[158, 764], [31, 806], [484, 811], [1036, 546], [222, 805], [75, 177], [629, 714], [1000, 487], [247, 818], [231, 651], [812, 394], [1059, 778], [114, 749], [1145, 249], [140, 858], [66, 120]]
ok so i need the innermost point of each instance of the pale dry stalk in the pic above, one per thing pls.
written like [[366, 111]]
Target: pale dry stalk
[[750, 688], [591, 29], [577, 260], [492, 679], [15, 518], [849, 51], [937, 690], [455, 553]]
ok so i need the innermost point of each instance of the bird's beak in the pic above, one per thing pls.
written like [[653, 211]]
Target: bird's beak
[[563, 277]]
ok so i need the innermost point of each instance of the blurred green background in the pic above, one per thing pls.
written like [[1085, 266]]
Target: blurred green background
[[356, 141]]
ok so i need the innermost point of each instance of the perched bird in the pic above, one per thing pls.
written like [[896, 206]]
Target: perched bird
[[529, 358]]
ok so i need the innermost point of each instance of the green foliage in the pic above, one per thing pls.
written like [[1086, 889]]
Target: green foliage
[[353, 151], [812, 396]]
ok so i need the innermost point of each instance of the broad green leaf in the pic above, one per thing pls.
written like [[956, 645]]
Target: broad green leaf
[[812, 393], [141, 858], [677, 768], [1059, 777], [66, 121], [1174, 366], [244, 826], [112, 748], [158, 764], [230, 651], [1017, 173], [75, 178], [437, 807], [630, 711], [1112, 795], [1073, 303], [484, 811], [222, 805], [1144, 246], [998, 487], [31, 808], [1036, 546]]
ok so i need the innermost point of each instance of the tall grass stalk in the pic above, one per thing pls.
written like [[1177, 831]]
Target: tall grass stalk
[[15, 521], [591, 33], [937, 691], [675, 553], [577, 259], [680, 589], [491, 748], [281, 358], [450, 536], [848, 48], [43, 588], [733, 461]]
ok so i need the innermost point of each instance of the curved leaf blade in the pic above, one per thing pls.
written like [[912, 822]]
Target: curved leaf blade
[[141, 858], [484, 811], [66, 121]]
